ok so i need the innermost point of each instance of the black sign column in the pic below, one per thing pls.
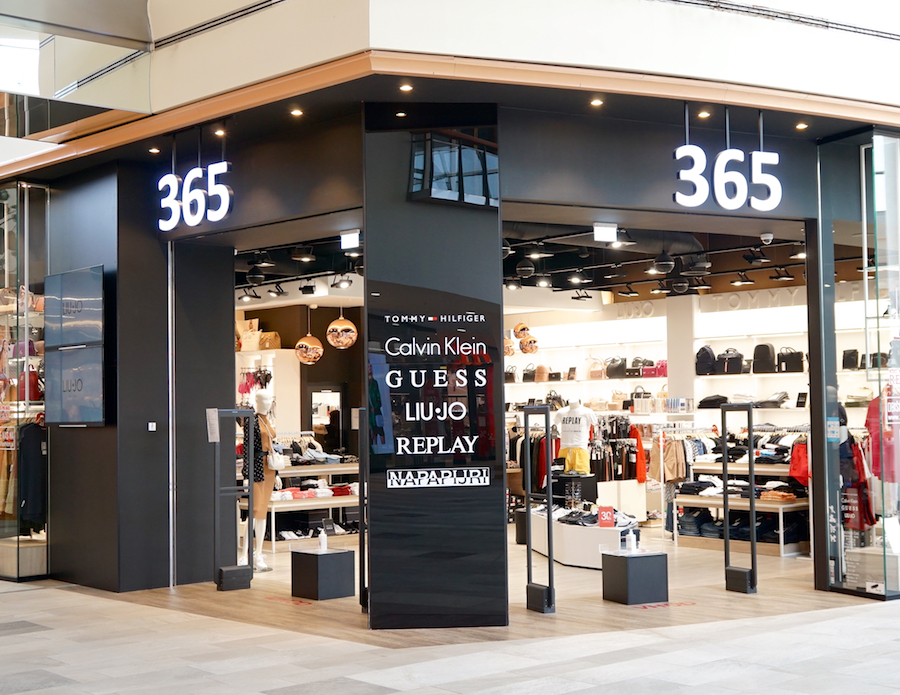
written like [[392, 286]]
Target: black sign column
[[437, 518]]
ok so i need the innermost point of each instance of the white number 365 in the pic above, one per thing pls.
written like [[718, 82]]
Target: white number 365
[[738, 194], [194, 204]]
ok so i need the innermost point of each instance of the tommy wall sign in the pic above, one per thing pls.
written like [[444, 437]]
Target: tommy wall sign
[[199, 195], [730, 187]]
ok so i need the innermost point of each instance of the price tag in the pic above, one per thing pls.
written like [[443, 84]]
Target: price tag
[[606, 517]]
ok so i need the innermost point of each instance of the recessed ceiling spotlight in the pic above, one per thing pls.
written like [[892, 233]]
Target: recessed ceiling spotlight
[[401, 114], [742, 279], [596, 102], [513, 285], [802, 126], [628, 291], [153, 150], [277, 291], [248, 295], [799, 252], [220, 132], [406, 88], [525, 268], [296, 112], [353, 254], [703, 114], [303, 254]]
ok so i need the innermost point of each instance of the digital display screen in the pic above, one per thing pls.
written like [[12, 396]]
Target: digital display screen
[[73, 309], [74, 386]]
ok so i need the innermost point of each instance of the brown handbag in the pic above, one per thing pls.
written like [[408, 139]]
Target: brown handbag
[[542, 373], [269, 340], [597, 370]]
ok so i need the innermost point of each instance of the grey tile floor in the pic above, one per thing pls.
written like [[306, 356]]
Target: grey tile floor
[[58, 641]]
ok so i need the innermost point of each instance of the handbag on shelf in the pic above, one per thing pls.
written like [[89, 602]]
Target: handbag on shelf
[[633, 372], [269, 340], [729, 362], [617, 400], [250, 341], [541, 373], [555, 401], [663, 392], [640, 393], [860, 399], [705, 362], [572, 375], [528, 374], [662, 368], [509, 376], [789, 360], [20, 349], [638, 362], [554, 376], [616, 368], [596, 370], [30, 376], [878, 360], [598, 404], [747, 367]]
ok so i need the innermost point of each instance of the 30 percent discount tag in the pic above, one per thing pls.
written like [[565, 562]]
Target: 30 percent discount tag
[[606, 517]]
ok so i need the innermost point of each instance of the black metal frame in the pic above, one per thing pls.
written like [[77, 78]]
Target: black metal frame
[[736, 578], [232, 491], [541, 599]]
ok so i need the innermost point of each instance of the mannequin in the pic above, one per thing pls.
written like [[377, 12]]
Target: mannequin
[[574, 424], [263, 477]]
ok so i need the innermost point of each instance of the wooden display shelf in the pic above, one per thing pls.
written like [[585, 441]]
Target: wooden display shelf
[[320, 469], [741, 504], [309, 503], [770, 549], [775, 469]]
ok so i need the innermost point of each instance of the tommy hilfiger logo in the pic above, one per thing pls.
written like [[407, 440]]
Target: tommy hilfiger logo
[[470, 317]]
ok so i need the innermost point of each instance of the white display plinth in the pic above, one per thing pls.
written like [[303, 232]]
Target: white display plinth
[[575, 546]]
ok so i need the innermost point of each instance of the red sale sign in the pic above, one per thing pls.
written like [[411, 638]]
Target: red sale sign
[[606, 517]]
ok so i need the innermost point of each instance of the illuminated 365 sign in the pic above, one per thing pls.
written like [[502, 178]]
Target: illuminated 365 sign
[[735, 196], [195, 200]]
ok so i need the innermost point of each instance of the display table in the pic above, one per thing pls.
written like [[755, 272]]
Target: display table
[[322, 575], [635, 577], [574, 546]]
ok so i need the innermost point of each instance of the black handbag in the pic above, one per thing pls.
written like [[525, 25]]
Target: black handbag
[[729, 362], [639, 362], [616, 367], [529, 373], [639, 392], [634, 372], [509, 376], [706, 361], [712, 402], [877, 360], [850, 360], [747, 367], [789, 360], [554, 376]]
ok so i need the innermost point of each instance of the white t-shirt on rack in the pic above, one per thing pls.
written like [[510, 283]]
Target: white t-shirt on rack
[[574, 426]]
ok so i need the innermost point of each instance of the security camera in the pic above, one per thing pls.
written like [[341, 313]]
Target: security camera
[[766, 238]]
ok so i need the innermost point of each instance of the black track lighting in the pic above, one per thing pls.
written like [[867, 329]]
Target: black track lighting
[[303, 254], [341, 282], [799, 252], [581, 296], [248, 295], [756, 257], [544, 281], [263, 260], [661, 288], [513, 285], [742, 279], [701, 285], [277, 291], [781, 275], [577, 278], [308, 289], [628, 291], [614, 273]]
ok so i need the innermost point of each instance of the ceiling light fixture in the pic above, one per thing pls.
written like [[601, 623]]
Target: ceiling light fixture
[[153, 150], [781, 275], [581, 296], [255, 276], [303, 254], [696, 266], [660, 289], [308, 289], [703, 114], [507, 249], [406, 88], [702, 285], [577, 278], [296, 112], [220, 132], [652, 270], [341, 282], [802, 126], [596, 102], [309, 349], [401, 114], [628, 291], [525, 268], [614, 273], [544, 281], [583, 252], [513, 285], [263, 260], [353, 254], [277, 291], [742, 279], [664, 264], [249, 295], [799, 252], [756, 257], [538, 251]]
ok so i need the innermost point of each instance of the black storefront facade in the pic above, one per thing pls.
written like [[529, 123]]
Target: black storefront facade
[[132, 509]]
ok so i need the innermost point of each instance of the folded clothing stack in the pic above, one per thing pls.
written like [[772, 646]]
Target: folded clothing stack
[[778, 496], [694, 487], [692, 520]]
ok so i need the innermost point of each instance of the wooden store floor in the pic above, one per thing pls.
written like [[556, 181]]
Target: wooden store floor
[[696, 595]]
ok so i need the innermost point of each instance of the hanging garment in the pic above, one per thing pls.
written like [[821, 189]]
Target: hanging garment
[[33, 475], [799, 469]]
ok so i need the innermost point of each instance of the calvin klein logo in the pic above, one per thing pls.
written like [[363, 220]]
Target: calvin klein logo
[[71, 307], [72, 385]]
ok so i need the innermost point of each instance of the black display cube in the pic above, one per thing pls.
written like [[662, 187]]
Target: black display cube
[[633, 577], [588, 484], [322, 575]]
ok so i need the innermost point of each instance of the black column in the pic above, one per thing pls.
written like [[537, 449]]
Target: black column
[[434, 334]]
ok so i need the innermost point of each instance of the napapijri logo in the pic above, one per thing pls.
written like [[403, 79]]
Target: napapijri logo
[[438, 477], [468, 317]]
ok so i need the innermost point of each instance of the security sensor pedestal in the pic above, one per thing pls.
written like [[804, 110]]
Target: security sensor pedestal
[[738, 578], [540, 598]]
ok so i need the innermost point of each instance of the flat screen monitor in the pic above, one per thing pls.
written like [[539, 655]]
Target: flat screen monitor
[[74, 386], [73, 308]]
